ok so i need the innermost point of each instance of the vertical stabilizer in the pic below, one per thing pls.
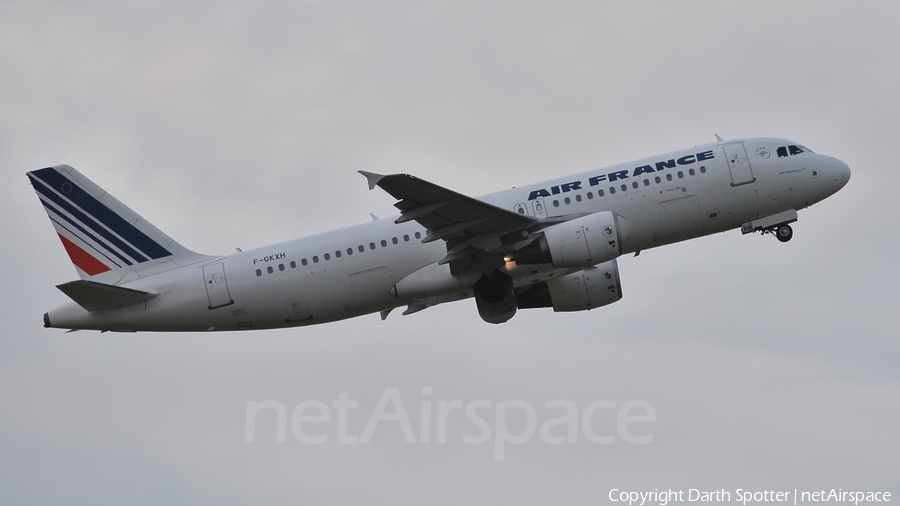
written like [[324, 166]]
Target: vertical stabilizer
[[106, 241]]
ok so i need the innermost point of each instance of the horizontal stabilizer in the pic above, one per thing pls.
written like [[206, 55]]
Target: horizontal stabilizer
[[94, 296]]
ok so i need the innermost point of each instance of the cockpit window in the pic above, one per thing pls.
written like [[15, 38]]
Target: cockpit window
[[793, 149], [805, 149]]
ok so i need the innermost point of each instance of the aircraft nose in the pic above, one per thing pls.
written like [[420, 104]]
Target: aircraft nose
[[841, 173]]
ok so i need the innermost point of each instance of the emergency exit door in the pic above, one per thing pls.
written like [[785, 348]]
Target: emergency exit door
[[540, 210]]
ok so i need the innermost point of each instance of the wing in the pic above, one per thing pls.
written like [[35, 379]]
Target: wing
[[475, 231]]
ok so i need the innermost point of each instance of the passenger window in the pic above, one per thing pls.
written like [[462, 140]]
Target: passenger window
[[590, 195], [315, 259], [668, 177], [418, 235], [520, 210], [612, 190], [361, 248], [337, 254], [600, 193], [703, 169], [691, 172], [577, 198], [394, 240], [383, 243], [349, 251], [555, 203], [634, 184], [795, 150], [680, 174], [624, 187], [280, 267], [303, 262], [293, 264], [568, 201], [327, 256], [371, 245], [405, 237], [646, 182], [270, 270], [782, 152], [258, 272], [657, 179]]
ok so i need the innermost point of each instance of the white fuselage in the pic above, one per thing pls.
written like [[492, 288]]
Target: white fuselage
[[351, 271]]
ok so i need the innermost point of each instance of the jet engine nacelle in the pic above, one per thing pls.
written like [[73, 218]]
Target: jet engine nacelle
[[495, 297], [582, 242], [583, 290]]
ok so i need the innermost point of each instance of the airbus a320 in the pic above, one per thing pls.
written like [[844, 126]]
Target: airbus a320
[[552, 244]]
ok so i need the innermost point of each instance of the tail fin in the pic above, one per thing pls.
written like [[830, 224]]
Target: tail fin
[[107, 241]]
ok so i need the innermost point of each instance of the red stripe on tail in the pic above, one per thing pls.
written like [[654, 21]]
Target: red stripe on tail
[[82, 259]]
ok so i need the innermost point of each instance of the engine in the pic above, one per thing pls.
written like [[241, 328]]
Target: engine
[[587, 289], [592, 240], [495, 297], [582, 242]]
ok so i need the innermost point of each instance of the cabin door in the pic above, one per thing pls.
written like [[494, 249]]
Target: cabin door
[[216, 286], [738, 164]]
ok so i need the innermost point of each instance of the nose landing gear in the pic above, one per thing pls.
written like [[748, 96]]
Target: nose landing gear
[[784, 233], [776, 224]]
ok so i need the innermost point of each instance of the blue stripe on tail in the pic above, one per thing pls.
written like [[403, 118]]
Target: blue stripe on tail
[[60, 225], [87, 221], [96, 209], [87, 234]]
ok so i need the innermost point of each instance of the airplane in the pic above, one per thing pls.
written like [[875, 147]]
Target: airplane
[[552, 244]]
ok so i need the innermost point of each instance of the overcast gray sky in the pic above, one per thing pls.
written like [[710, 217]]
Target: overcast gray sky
[[769, 365]]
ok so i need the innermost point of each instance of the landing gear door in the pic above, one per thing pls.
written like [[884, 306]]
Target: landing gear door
[[738, 164], [216, 286]]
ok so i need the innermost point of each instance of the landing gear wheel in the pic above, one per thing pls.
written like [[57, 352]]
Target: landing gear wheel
[[784, 233]]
